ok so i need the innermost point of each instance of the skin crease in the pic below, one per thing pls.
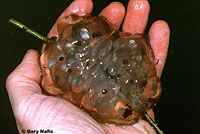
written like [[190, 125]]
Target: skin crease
[[33, 110]]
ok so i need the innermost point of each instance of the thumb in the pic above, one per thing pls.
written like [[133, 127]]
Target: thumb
[[24, 80]]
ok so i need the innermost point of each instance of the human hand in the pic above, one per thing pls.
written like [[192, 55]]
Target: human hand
[[36, 111]]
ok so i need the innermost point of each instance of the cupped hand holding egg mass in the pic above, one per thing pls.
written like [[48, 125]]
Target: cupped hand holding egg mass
[[112, 75]]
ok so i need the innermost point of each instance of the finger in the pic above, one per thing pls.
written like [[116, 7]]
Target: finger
[[159, 39], [151, 113], [114, 12], [141, 127], [78, 7], [136, 16], [145, 127], [24, 80]]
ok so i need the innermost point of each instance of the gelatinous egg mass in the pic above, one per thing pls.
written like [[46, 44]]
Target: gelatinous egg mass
[[108, 73]]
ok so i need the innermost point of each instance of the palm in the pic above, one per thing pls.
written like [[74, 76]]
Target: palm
[[33, 110], [61, 116]]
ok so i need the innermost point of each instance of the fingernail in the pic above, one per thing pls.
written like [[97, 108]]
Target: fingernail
[[27, 53], [116, 2]]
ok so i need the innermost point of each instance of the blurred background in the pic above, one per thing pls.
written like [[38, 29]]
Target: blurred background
[[178, 109]]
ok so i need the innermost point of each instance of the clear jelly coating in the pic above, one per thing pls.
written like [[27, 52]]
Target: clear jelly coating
[[109, 73]]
